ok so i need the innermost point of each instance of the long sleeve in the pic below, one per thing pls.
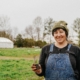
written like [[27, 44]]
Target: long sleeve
[[78, 61], [42, 59]]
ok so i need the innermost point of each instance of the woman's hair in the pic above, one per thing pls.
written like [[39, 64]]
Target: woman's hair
[[66, 32], [60, 25]]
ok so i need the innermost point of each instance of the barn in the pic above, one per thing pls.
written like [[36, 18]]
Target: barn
[[6, 43]]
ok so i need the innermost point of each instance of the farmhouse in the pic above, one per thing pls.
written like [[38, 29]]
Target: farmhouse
[[6, 43]]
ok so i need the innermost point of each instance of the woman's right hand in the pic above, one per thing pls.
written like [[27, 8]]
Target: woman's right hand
[[36, 68]]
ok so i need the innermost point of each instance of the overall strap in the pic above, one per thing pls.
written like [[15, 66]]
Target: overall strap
[[51, 48], [69, 47]]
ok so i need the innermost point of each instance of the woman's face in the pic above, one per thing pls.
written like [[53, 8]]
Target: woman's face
[[60, 36]]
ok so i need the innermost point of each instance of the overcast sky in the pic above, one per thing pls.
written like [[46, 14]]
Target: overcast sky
[[23, 12]]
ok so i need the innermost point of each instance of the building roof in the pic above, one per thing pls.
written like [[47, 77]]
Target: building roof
[[2, 39]]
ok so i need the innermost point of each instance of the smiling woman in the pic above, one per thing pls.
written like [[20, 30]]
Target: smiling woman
[[60, 33], [59, 36], [61, 60]]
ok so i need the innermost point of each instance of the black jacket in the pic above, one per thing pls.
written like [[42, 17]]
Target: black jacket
[[74, 54]]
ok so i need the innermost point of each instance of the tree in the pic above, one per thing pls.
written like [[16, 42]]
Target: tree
[[37, 24], [30, 31], [48, 24], [5, 30], [76, 28], [4, 23], [14, 32], [40, 43], [38, 32], [19, 41]]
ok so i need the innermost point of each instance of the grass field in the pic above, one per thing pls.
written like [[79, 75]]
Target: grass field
[[19, 68], [20, 52]]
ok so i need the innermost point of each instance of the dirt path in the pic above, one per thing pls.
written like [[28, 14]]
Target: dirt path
[[14, 58]]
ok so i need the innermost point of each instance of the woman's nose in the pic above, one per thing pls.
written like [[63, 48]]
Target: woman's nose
[[58, 34]]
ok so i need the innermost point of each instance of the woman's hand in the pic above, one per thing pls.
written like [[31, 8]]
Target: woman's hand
[[36, 68]]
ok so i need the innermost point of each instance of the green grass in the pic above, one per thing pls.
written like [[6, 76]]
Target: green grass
[[20, 69], [20, 52], [17, 70]]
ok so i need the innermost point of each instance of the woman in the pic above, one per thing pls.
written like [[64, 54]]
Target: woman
[[61, 60]]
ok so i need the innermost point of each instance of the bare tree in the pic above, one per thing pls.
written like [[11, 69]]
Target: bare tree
[[37, 21], [48, 24], [9, 32], [38, 26], [15, 32], [76, 28], [38, 32], [4, 23], [30, 31], [5, 30]]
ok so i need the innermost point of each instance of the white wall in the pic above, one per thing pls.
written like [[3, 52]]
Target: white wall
[[6, 45]]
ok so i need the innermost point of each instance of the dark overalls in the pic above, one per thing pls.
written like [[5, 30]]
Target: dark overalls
[[58, 66]]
